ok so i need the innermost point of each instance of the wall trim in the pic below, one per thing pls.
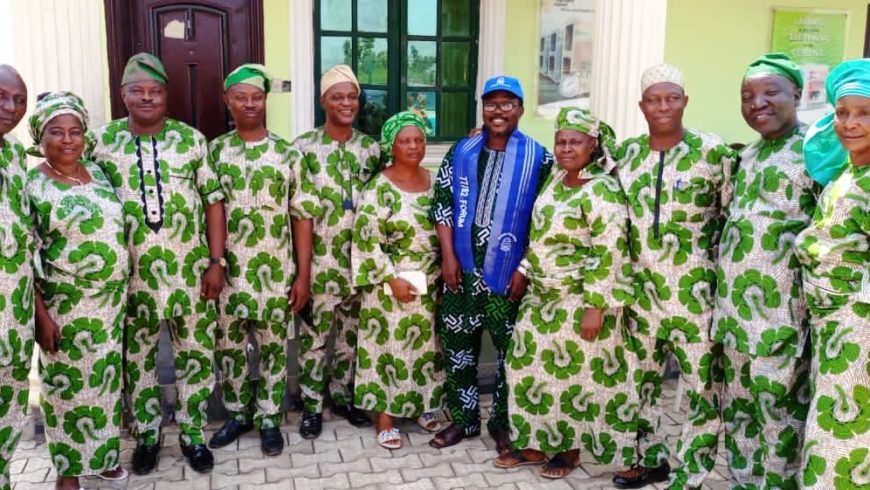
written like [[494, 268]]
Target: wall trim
[[302, 66]]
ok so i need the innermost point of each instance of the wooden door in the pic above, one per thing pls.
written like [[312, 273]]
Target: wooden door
[[199, 42]]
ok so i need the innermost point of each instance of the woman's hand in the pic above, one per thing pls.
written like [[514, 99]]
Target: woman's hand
[[48, 335], [517, 286], [299, 294], [590, 324], [451, 271], [213, 282], [403, 290]]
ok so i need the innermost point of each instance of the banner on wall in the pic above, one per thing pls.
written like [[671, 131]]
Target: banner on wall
[[564, 54], [815, 40]]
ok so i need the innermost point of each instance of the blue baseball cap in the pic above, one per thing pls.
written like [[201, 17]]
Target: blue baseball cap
[[502, 82]]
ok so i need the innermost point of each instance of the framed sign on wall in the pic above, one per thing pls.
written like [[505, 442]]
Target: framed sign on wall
[[816, 40]]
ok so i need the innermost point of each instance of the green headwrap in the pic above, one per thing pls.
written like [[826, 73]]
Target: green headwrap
[[583, 121], [144, 66], [251, 74], [49, 107], [778, 64], [396, 123]]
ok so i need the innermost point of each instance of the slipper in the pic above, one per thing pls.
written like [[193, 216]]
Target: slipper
[[390, 439], [450, 436], [120, 476], [429, 422], [558, 463], [515, 459]]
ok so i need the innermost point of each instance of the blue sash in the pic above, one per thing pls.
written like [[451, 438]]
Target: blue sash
[[515, 197]]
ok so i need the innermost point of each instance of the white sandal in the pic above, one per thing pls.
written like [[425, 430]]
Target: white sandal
[[390, 439], [429, 422]]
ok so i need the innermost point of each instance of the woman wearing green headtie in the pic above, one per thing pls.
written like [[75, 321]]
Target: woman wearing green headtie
[[569, 368], [835, 254], [399, 371], [81, 277]]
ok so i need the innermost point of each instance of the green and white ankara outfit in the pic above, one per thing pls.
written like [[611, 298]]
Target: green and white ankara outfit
[[331, 177], [258, 180], [16, 300], [399, 366], [82, 273], [676, 198], [165, 181], [761, 315], [565, 392], [835, 254]]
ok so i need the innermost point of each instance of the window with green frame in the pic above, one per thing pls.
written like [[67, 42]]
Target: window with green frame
[[418, 55]]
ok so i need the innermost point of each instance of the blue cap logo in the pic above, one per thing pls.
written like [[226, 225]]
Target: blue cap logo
[[503, 83]]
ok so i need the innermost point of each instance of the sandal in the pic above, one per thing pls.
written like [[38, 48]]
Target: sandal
[[516, 458], [116, 474], [558, 467], [429, 422], [450, 436], [390, 439]]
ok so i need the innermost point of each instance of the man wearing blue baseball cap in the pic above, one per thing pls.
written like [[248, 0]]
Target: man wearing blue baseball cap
[[484, 193]]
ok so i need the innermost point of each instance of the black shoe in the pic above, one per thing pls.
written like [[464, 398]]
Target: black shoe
[[355, 416], [145, 458], [271, 441], [199, 457], [312, 425], [228, 433], [639, 476]]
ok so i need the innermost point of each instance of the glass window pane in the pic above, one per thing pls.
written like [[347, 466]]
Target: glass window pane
[[455, 64], [373, 111], [454, 114], [335, 15], [455, 18], [422, 17], [371, 15], [372, 59], [421, 62], [425, 104], [334, 51]]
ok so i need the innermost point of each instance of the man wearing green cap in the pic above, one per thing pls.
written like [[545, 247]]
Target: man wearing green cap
[[678, 183], [16, 275], [761, 315], [337, 161], [256, 171], [169, 190]]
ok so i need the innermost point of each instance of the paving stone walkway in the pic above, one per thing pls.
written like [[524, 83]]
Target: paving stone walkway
[[343, 457]]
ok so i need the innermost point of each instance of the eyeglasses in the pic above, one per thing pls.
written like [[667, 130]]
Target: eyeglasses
[[503, 106]]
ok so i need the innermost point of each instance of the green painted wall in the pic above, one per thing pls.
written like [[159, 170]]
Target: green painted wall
[[276, 27], [713, 41], [521, 61]]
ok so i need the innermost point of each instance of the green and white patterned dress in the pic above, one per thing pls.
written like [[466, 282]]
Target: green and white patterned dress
[[82, 272], [399, 366], [835, 254], [676, 200], [165, 182], [331, 176], [761, 314], [258, 180], [16, 300], [566, 392]]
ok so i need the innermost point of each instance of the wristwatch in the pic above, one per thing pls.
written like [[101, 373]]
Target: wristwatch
[[218, 261]]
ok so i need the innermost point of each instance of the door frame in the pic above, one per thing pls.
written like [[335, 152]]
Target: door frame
[[120, 42]]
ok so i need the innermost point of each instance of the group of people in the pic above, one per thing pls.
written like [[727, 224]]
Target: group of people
[[589, 267]]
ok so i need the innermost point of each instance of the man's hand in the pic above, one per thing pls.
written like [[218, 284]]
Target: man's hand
[[48, 335], [299, 294], [212, 282], [590, 324], [451, 271], [403, 290], [517, 286]]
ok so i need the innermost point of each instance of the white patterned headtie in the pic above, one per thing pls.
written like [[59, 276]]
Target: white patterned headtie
[[661, 73]]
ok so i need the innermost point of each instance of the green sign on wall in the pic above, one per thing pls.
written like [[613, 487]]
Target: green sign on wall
[[810, 37]]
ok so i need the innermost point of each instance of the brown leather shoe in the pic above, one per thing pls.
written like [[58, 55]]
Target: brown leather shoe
[[502, 441], [450, 436]]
